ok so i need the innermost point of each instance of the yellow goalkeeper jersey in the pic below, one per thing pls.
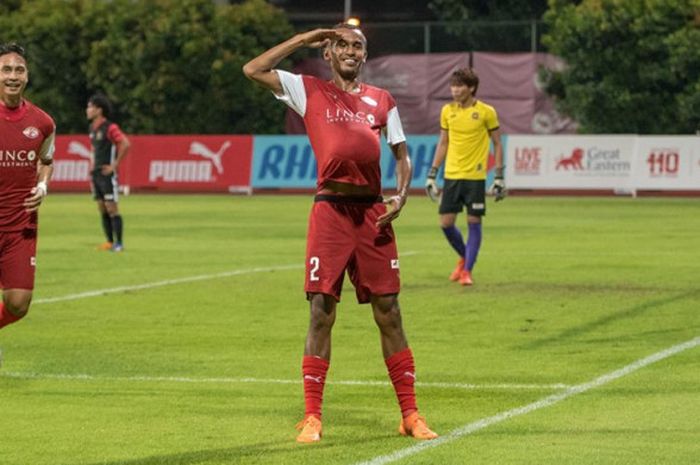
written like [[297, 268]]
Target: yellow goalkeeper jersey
[[468, 145]]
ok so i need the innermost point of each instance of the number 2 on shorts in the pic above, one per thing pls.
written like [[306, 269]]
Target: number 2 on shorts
[[315, 263]]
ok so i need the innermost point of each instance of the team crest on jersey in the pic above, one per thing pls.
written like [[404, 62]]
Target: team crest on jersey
[[369, 101], [98, 136], [31, 132], [475, 115]]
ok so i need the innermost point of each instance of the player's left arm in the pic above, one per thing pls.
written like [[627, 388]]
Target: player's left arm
[[44, 172], [404, 172], [123, 145], [498, 188], [497, 150], [122, 149]]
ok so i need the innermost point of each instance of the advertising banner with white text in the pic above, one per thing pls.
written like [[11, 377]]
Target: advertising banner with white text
[[72, 164], [189, 163], [222, 163], [200, 163]]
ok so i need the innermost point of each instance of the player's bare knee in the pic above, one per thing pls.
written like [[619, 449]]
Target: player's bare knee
[[17, 304], [322, 313], [387, 312], [111, 208], [447, 221]]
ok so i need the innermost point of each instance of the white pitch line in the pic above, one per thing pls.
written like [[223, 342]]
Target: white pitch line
[[167, 282], [185, 379], [542, 403], [170, 282]]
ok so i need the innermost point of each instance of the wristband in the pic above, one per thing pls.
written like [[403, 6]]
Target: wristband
[[499, 172], [42, 185], [432, 174]]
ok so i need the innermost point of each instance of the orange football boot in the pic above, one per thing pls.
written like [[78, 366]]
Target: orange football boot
[[454, 276], [310, 428], [465, 278], [105, 246], [414, 425]]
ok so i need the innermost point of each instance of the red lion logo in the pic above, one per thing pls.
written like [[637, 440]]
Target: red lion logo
[[575, 161]]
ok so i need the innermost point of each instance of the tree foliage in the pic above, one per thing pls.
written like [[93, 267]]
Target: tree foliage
[[633, 66], [496, 25], [461, 10], [169, 66]]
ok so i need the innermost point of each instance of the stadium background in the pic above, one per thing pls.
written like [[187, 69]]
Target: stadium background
[[173, 68], [578, 344]]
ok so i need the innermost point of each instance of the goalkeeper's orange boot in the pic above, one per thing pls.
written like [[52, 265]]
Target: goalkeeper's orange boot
[[414, 425], [310, 428], [105, 246], [454, 276], [465, 278]]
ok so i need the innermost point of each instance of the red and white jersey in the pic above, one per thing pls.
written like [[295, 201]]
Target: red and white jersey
[[344, 127], [26, 135]]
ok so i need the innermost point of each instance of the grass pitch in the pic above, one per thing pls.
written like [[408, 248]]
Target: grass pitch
[[186, 348]]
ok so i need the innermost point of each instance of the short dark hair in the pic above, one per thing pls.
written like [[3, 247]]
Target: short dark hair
[[465, 77], [352, 27], [13, 47], [101, 101]]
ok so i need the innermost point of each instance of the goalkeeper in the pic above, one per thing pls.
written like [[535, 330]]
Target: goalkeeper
[[467, 125]]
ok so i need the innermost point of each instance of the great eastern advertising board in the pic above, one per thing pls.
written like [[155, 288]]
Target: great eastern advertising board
[[570, 162]]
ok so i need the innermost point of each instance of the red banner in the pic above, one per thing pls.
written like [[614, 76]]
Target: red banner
[[71, 167], [189, 163]]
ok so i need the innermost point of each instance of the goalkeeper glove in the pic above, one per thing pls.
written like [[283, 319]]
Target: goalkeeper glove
[[431, 187], [498, 188]]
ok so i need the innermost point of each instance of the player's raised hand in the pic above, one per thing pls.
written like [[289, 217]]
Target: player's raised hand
[[319, 38], [394, 204], [37, 194]]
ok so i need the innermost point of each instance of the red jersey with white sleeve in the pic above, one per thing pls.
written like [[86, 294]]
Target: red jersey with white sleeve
[[26, 135], [344, 127]]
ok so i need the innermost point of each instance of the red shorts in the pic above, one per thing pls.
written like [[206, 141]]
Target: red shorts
[[17, 262], [344, 236]]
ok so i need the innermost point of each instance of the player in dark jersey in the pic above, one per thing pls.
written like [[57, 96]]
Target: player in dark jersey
[[109, 147], [26, 154], [349, 226]]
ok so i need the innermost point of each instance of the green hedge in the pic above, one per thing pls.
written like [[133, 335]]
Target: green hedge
[[169, 66]]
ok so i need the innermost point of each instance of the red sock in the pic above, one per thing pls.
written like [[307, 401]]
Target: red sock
[[6, 317], [402, 371], [314, 370]]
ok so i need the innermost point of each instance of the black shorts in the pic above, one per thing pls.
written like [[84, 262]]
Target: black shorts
[[105, 187], [459, 193]]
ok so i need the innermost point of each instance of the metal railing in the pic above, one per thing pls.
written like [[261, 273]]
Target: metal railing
[[387, 38]]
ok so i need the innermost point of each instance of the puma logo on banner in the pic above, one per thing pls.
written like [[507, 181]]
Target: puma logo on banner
[[199, 149]]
